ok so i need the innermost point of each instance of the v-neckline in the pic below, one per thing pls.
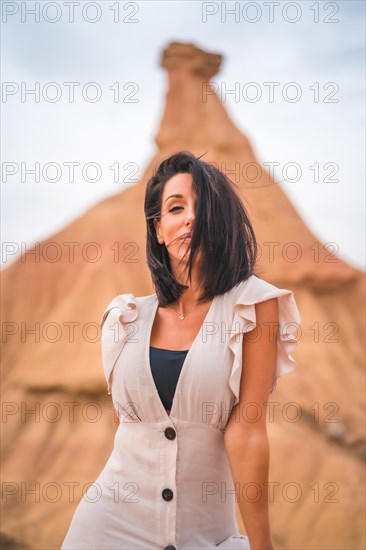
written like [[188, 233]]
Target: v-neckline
[[186, 359]]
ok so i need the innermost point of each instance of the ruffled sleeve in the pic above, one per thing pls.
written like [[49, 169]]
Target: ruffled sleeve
[[121, 310], [247, 294]]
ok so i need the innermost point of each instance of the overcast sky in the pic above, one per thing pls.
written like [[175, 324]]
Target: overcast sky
[[312, 51]]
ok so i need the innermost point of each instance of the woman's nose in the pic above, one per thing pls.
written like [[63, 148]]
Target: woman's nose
[[190, 213]]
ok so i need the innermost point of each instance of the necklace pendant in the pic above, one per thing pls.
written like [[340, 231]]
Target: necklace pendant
[[181, 317]]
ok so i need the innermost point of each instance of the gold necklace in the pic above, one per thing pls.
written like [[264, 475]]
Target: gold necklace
[[182, 316]]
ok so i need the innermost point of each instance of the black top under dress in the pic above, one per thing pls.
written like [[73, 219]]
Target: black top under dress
[[166, 365]]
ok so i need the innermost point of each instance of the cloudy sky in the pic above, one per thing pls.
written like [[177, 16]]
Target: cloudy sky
[[98, 96]]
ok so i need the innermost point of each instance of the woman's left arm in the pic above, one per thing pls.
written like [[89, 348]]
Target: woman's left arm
[[246, 439]]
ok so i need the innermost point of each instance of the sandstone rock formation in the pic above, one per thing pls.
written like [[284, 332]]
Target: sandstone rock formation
[[317, 457]]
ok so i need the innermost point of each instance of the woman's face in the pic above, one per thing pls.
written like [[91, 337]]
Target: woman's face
[[177, 217]]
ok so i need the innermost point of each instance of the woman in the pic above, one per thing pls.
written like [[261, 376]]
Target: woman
[[185, 364]]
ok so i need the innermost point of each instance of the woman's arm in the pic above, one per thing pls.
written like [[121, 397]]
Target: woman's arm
[[246, 439]]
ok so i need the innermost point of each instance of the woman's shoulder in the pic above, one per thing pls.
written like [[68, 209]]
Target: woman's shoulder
[[250, 287], [243, 297], [257, 289], [127, 306]]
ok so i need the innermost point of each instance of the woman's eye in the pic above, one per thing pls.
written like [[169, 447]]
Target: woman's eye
[[175, 208]]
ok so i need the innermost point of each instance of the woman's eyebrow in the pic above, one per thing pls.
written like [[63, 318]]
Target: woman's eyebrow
[[178, 196]]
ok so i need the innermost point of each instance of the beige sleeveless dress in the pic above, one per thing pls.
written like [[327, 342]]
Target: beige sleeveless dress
[[167, 484]]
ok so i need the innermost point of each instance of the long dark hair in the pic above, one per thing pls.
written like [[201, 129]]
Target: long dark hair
[[221, 226]]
